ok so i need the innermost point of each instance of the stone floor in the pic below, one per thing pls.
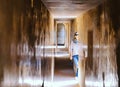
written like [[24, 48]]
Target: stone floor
[[64, 75]]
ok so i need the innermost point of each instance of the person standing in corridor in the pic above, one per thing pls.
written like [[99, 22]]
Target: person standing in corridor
[[77, 53]]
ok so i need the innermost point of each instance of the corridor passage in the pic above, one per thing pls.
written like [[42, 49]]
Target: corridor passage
[[64, 74], [36, 43]]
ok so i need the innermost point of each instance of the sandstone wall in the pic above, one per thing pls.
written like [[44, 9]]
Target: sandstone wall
[[24, 24], [95, 26]]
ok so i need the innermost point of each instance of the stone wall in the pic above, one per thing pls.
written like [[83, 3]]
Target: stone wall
[[101, 63], [113, 14], [24, 24]]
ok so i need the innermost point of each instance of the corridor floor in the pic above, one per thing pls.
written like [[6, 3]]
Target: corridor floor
[[64, 74]]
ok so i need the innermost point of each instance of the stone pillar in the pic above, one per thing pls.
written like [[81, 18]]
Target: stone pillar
[[81, 72]]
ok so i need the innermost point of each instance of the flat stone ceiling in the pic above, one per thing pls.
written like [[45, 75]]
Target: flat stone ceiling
[[69, 8]]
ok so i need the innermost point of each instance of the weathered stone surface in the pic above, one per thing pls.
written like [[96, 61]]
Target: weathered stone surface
[[24, 24], [103, 65]]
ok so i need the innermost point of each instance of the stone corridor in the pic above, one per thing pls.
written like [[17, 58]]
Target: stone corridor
[[36, 36]]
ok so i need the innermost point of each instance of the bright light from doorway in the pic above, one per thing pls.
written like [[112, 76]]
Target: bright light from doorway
[[64, 83], [100, 84], [65, 17], [37, 82]]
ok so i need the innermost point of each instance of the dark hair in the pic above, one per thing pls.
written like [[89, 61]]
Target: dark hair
[[76, 33]]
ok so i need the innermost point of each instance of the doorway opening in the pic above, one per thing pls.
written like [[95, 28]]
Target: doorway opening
[[63, 71]]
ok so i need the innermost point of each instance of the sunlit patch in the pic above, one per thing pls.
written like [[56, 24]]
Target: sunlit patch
[[100, 84], [37, 82], [30, 81], [64, 83], [65, 16], [49, 47]]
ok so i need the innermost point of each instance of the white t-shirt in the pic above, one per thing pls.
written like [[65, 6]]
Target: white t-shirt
[[77, 49]]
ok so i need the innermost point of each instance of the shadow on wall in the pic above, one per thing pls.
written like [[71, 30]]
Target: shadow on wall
[[114, 17], [103, 20], [24, 25]]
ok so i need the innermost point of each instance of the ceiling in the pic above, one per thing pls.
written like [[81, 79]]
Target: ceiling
[[69, 8]]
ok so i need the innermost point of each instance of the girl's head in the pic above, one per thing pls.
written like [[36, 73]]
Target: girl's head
[[76, 35]]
